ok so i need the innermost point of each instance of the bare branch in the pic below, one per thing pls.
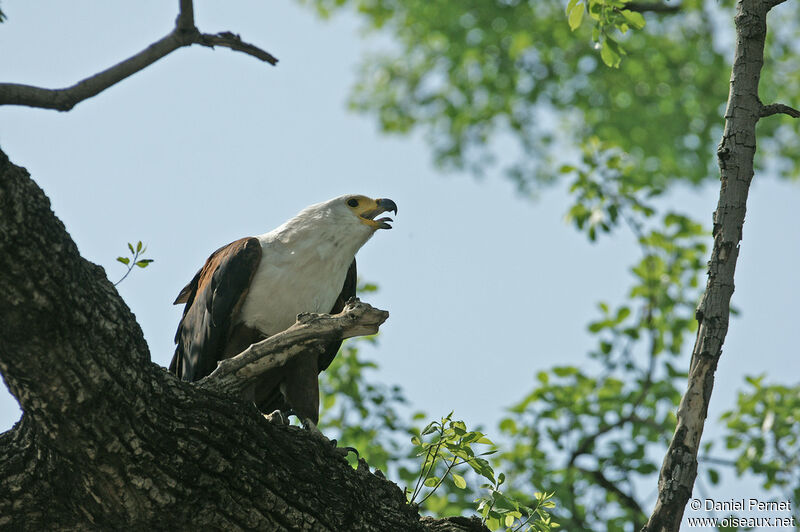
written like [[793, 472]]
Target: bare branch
[[778, 108], [652, 7], [234, 42], [184, 34], [66, 99], [310, 332], [185, 19]]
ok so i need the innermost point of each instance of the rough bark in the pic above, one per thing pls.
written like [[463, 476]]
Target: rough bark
[[108, 440], [735, 157]]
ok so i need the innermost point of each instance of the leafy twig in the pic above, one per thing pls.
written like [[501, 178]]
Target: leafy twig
[[451, 446], [134, 260]]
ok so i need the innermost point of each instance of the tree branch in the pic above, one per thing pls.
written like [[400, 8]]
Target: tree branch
[[778, 108], [310, 331], [735, 157], [110, 441], [652, 7], [185, 19], [588, 442], [230, 40], [611, 487], [184, 34], [718, 461]]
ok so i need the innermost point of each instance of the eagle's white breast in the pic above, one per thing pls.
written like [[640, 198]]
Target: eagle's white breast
[[303, 266]]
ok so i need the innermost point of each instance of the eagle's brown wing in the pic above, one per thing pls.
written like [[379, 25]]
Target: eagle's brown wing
[[213, 299]]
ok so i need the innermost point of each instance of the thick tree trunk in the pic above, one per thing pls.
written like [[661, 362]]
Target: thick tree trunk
[[110, 440], [735, 156]]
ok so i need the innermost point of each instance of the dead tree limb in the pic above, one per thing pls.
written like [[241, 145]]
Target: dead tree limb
[[184, 34], [311, 331], [735, 156]]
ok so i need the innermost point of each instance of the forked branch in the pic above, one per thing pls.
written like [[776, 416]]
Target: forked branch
[[310, 332], [184, 34]]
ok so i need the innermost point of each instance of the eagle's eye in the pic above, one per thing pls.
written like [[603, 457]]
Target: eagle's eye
[[352, 202]]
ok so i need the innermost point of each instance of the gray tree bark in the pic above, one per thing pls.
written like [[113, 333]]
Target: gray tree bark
[[108, 440], [735, 156]]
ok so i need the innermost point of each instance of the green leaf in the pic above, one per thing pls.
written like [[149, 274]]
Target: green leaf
[[459, 481], [565, 371], [124, 260], [571, 5], [368, 287], [566, 169], [504, 503], [431, 481], [575, 17], [609, 56], [636, 20], [143, 263], [130, 247], [429, 429], [139, 246]]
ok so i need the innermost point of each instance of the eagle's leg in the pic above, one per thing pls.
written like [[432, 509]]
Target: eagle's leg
[[300, 390]]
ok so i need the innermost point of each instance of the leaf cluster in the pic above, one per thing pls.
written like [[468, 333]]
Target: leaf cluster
[[763, 434], [447, 444], [608, 16], [590, 434], [471, 72], [134, 260], [606, 185], [451, 444]]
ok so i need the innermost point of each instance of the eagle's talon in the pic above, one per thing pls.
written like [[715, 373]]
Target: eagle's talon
[[344, 451]]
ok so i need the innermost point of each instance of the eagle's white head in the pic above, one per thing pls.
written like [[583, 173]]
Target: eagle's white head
[[352, 217], [351, 210], [340, 225]]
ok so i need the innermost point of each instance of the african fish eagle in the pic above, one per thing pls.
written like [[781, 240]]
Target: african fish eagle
[[256, 286]]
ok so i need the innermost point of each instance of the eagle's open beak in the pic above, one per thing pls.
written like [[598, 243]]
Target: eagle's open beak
[[381, 205]]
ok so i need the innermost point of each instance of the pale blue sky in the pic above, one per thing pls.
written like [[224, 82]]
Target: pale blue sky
[[484, 288]]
